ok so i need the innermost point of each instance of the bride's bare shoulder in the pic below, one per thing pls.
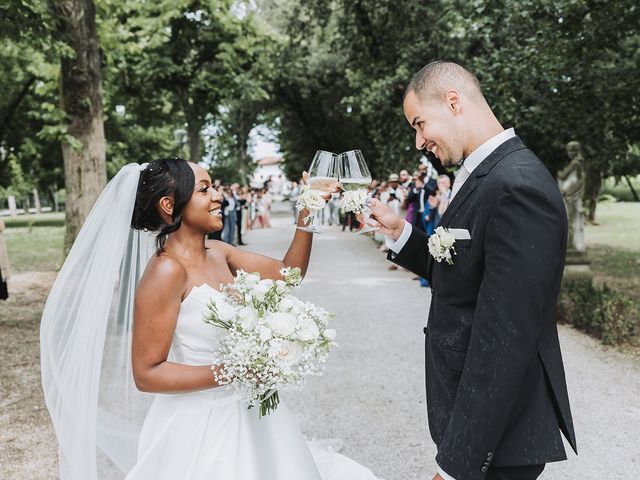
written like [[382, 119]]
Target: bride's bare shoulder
[[163, 273]]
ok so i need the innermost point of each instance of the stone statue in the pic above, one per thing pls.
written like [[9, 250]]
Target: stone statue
[[571, 181]]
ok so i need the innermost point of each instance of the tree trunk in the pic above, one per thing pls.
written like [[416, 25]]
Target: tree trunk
[[36, 201], [13, 207], [193, 131], [633, 192], [84, 163]]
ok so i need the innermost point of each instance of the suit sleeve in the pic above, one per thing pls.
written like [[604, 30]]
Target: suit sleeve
[[524, 248], [414, 256]]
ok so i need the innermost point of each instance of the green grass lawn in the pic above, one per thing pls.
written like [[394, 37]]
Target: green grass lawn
[[36, 249], [613, 246]]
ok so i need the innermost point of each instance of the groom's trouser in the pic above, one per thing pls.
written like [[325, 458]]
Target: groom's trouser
[[527, 472]]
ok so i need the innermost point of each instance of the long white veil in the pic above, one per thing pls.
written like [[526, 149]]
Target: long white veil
[[85, 339]]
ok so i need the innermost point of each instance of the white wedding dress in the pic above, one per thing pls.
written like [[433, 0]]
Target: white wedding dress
[[211, 435]]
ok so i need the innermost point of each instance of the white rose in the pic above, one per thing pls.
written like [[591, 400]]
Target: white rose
[[281, 287], [289, 352], [248, 318], [286, 304], [264, 333], [308, 330], [283, 324], [330, 334], [226, 313], [251, 280], [261, 289]]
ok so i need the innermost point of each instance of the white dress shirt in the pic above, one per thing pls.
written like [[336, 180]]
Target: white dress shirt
[[470, 164]]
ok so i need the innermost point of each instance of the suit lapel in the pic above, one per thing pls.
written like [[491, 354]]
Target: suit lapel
[[474, 180]]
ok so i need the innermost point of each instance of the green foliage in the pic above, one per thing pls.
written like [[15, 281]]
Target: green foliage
[[557, 70], [607, 314], [33, 221]]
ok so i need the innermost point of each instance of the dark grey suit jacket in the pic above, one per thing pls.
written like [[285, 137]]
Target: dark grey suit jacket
[[496, 390]]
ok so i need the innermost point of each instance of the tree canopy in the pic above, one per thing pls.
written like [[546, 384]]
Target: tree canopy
[[320, 75]]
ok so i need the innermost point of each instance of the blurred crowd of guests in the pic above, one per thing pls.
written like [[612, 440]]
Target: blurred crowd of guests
[[421, 197], [243, 209]]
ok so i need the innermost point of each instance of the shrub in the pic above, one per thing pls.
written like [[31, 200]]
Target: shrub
[[39, 222], [607, 314]]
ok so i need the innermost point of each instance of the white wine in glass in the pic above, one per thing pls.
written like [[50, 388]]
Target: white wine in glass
[[355, 175], [352, 184], [322, 184], [323, 177]]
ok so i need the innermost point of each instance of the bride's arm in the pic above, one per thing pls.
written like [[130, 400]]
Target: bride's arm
[[297, 255], [157, 305]]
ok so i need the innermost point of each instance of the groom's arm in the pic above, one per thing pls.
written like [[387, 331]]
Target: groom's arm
[[411, 250], [524, 250]]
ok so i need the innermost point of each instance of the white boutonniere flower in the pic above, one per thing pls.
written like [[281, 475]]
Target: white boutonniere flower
[[441, 245]]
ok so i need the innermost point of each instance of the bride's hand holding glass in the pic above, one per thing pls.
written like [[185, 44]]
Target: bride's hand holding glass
[[322, 181]]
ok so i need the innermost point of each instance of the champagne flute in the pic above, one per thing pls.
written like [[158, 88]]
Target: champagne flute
[[355, 175], [323, 176]]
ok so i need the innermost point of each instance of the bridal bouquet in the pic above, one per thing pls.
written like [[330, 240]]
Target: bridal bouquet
[[272, 339]]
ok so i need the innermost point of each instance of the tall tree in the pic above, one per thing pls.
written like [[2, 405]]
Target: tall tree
[[81, 81]]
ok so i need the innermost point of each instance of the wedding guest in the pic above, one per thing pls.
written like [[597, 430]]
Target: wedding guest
[[333, 209], [405, 179], [267, 201], [440, 201], [242, 210], [229, 211], [5, 268]]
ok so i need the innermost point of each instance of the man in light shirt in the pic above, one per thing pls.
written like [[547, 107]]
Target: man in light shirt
[[496, 391]]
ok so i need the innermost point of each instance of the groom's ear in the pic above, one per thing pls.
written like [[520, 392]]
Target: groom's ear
[[453, 101], [166, 206]]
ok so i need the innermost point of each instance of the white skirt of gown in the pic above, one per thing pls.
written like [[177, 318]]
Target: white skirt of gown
[[211, 435]]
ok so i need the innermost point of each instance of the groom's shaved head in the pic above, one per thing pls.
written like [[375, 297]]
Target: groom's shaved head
[[433, 81]]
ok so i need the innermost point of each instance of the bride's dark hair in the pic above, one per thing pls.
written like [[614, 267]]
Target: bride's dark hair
[[165, 177]]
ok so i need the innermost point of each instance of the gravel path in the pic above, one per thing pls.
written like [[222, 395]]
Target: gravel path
[[372, 395]]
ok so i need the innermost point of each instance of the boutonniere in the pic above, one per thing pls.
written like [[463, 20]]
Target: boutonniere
[[441, 245]]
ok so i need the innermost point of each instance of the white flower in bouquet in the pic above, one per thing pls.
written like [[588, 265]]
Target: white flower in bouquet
[[265, 333], [260, 290], [354, 200], [283, 324], [289, 353], [247, 318], [308, 329], [330, 334], [286, 305], [272, 339]]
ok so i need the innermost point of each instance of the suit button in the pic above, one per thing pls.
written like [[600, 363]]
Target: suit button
[[484, 469], [489, 455]]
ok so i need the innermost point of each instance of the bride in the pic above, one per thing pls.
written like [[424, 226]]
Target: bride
[[100, 335]]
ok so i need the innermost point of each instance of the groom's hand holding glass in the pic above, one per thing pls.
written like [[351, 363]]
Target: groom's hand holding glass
[[381, 216]]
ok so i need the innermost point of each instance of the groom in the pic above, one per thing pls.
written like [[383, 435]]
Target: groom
[[496, 391]]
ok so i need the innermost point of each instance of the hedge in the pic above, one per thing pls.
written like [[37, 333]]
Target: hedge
[[607, 314]]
